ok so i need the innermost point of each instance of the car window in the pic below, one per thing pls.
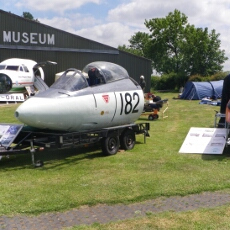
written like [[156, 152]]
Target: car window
[[25, 68], [12, 67]]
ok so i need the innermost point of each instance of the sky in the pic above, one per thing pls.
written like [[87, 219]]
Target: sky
[[113, 22]]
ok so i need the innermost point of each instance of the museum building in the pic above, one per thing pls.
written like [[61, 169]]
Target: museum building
[[24, 38]]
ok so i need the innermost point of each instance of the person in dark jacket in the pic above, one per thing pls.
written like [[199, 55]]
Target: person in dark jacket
[[142, 82], [224, 99]]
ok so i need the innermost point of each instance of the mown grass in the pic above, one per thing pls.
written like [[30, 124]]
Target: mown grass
[[72, 178]]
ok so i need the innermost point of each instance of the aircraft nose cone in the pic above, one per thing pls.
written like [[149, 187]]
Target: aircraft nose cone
[[16, 114], [25, 112], [36, 112], [46, 113]]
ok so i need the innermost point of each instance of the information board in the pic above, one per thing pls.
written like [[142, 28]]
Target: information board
[[204, 141], [8, 132]]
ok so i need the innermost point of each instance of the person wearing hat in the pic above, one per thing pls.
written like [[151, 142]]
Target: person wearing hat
[[142, 82]]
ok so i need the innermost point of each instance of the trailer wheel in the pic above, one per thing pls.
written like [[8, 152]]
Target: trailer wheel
[[127, 139], [156, 116], [151, 117], [110, 145]]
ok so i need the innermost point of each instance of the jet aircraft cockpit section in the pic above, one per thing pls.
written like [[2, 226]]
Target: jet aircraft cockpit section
[[71, 80], [75, 103], [105, 72]]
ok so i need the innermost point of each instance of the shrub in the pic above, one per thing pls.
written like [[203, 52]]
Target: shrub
[[174, 81], [219, 76], [165, 82], [155, 82], [196, 77]]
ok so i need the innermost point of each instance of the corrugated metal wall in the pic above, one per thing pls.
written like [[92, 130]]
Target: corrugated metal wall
[[22, 38]]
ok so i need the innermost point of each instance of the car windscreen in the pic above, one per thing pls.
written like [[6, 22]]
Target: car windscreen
[[2, 67], [70, 81]]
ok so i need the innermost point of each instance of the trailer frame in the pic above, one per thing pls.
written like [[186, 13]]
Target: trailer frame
[[30, 140]]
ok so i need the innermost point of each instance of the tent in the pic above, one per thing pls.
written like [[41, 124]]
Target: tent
[[199, 90]]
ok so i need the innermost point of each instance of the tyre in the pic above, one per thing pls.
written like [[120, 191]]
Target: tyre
[[127, 139], [156, 116], [151, 117], [110, 145]]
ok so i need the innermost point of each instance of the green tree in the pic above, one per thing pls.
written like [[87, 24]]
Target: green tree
[[175, 46], [167, 42], [204, 56], [130, 50], [29, 16], [137, 44]]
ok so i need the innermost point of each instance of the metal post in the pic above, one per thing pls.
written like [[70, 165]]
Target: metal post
[[32, 150]]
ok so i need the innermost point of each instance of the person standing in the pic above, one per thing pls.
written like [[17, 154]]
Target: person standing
[[224, 100], [142, 83]]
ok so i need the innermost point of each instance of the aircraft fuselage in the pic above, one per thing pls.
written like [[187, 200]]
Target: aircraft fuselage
[[84, 107]]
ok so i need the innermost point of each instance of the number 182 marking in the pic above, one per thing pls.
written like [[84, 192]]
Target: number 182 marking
[[127, 105]]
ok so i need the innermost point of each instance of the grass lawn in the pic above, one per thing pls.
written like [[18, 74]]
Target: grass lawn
[[85, 177]]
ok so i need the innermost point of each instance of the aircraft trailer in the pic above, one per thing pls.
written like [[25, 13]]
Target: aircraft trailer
[[20, 139], [100, 103]]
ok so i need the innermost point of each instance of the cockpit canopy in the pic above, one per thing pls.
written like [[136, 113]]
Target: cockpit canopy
[[70, 80], [93, 74], [108, 71]]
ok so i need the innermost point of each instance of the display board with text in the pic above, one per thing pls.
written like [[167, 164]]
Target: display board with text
[[204, 141]]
